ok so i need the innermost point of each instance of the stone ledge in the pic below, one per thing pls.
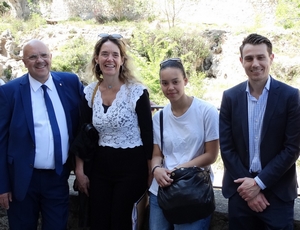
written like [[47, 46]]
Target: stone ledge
[[219, 219]]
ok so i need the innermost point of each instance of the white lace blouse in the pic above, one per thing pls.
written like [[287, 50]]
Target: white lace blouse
[[118, 127]]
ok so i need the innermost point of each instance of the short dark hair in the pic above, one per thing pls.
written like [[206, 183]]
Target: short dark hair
[[256, 39]]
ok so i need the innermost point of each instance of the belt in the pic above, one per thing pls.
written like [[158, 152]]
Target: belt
[[44, 170], [254, 174]]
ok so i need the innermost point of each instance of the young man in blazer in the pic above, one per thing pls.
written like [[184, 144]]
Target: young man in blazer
[[259, 141], [30, 182]]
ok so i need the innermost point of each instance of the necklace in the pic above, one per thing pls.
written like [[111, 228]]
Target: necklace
[[109, 86]]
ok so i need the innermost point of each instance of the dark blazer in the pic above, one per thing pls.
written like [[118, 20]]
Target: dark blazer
[[280, 139], [17, 140]]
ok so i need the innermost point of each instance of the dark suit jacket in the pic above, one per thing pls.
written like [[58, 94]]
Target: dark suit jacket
[[280, 139], [17, 140]]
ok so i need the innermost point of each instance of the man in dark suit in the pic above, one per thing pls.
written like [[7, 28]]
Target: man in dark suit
[[33, 170], [259, 140]]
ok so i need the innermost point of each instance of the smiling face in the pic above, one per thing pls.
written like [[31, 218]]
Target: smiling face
[[256, 61], [109, 59], [172, 83], [37, 59]]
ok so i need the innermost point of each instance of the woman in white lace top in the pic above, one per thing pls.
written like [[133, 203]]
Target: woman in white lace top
[[121, 113]]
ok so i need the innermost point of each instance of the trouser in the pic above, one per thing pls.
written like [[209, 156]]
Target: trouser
[[48, 194], [118, 179], [279, 215], [157, 221]]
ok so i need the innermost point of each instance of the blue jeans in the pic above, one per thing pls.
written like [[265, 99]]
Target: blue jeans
[[157, 221]]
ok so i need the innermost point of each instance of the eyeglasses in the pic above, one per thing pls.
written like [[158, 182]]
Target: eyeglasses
[[35, 57], [170, 59], [115, 36]]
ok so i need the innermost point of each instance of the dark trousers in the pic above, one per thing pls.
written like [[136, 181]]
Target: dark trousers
[[48, 195], [118, 179], [278, 216]]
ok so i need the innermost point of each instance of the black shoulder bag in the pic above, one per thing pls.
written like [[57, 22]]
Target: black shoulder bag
[[85, 143], [190, 197]]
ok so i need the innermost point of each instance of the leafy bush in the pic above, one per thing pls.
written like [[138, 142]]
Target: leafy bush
[[74, 57], [152, 47], [19, 27], [288, 13], [111, 10], [12, 24], [35, 21], [4, 7], [7, 73]]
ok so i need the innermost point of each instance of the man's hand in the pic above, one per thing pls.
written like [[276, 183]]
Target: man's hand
[[258, 203], [248, 189], [5, 198]]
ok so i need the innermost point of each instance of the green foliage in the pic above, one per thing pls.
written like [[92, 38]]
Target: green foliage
[[152, 47], [19, 27], [148, 52], [34, 8], [7, 73], [73, 57], [195, 85], [4, 7], [288, 13], [120, 10], [111, 10], [35, 21]]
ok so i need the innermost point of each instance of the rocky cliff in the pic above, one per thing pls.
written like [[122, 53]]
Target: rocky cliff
[[230, 21]]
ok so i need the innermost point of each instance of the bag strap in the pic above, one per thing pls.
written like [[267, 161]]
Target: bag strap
[[94, 92], [161, 129]]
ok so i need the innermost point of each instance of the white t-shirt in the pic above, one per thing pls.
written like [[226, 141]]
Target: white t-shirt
[[184, 137]]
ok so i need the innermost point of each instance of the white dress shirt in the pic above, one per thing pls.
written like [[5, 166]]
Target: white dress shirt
[[44, 145], [256, 112]]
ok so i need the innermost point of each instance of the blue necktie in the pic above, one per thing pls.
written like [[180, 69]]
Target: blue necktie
[[55, 131]]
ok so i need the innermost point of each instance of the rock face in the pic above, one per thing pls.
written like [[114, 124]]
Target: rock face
[[229, 12], [56, 9], [222, 66], [214, 12], [225, 25], [18, 8]]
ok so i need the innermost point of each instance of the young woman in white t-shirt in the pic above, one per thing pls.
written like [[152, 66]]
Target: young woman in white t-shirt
[[190, 136]]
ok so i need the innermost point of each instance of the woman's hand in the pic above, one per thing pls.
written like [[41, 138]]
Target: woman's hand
[[162, 176], [82, 183]]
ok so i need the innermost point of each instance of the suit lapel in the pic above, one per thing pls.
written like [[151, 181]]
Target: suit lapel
[[62, 92], [243, 112], [27, 105], [271, 105]]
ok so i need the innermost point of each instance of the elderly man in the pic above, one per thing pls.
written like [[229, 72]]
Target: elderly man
[[38, 120]]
